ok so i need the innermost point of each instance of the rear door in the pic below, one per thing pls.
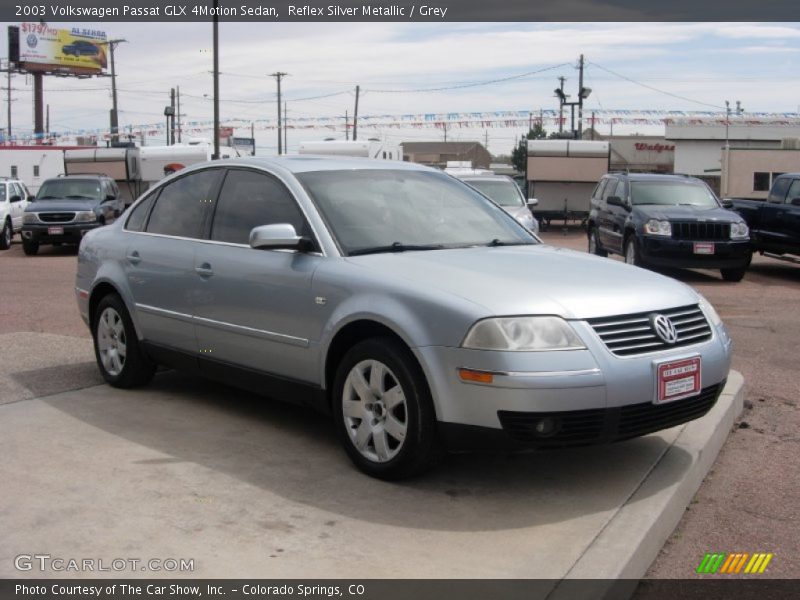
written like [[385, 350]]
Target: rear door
[[789, 218], [159, 260], [17, 206], [771, 215]]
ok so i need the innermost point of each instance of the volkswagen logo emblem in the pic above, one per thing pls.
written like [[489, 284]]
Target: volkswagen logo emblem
[[664, 328]]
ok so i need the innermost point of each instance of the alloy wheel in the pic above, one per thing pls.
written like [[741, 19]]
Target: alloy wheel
[[111, 341]]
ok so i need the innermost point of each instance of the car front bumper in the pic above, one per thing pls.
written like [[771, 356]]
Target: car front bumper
[[590, 396], [666, 252], [72, 232]]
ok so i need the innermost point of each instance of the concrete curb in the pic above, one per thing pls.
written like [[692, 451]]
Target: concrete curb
[[632, 539]]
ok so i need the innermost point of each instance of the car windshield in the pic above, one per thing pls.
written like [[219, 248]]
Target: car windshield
[[376, 210], [503, 192], [60, 189], [668, 193]]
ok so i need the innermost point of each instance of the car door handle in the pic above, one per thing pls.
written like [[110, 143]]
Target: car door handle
[[204, 270], [134, 258]]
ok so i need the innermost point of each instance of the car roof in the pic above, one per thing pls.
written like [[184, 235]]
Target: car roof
[[306, 163], [79, 176], [486, 178], [655, 177]]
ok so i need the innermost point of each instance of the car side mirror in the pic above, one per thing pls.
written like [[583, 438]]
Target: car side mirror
[[15, 198], [616, 201], [31, 198], [110, 197], [795, 201], [276, 237], [533, 202], [727, 203]]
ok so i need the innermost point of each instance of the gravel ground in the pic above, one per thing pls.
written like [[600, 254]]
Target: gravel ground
[[750, 502]]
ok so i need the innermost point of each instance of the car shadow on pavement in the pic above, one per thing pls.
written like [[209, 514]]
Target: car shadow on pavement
[[293, 452]]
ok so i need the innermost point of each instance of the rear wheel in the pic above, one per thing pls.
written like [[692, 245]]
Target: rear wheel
[[383, 410], [6, 235], [30, 247], [594, 243], [116, 347]]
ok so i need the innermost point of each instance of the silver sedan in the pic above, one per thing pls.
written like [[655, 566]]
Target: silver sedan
[[348, 285]]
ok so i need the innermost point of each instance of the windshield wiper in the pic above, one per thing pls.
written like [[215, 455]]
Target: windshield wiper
[[395, 247], [499, 242], [81, 196], [47, 198]]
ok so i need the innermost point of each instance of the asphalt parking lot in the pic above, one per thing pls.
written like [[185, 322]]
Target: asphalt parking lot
[[750, 502]]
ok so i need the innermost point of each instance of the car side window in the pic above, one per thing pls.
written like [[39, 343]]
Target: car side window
[[611, 186], [779, 189], [620, 191], [181, 206], [794, 191], [138, 216], [3, 192], [249, 199], [598, 190]]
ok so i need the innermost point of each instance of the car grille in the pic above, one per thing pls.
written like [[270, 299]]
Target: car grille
[[57, 217], [596, 426], [701, 232], [628, 335]]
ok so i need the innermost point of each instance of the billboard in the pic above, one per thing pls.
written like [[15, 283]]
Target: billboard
[[40, 47]]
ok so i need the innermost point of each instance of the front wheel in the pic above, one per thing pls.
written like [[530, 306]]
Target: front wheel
[[116, 347], [30, 247], [383, 410], [632, 255], [6, 235]]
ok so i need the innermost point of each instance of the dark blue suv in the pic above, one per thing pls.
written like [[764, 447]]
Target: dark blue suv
[[667, 221]]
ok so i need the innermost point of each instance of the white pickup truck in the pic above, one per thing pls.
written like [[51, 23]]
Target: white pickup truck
[[13, 200]]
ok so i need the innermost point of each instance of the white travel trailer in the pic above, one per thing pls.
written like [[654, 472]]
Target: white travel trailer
[[155, 162], [32, 164], [367, 149]]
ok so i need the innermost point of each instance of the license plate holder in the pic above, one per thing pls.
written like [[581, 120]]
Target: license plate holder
[[678, 379], [704, 248], [53, 230]]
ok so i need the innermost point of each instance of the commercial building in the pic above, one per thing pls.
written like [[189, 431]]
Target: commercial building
[[438, 154], [748, 172]]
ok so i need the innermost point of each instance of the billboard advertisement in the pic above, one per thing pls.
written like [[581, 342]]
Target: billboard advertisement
[[78, 50]]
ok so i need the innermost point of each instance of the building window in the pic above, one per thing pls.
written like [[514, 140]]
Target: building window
[[13, 171], [761, 182], [35, 170]]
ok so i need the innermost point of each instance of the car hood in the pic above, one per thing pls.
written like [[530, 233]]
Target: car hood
[[61, 205], [538, 279], [687, 213]]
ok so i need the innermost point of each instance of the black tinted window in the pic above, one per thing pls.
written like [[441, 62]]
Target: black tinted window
[[794, 191], [611, 185], [139, 214], [182, 205], [249, 199], [779, 189]]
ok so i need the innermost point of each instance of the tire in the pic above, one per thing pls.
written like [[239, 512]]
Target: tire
[[377, 383], [594, 244], [6, 235], [631, 252], [736, 274], [116, 347], [30, 247]]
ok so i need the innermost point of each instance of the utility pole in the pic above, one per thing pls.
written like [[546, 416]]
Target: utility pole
[[253, 137], [278, 75], [355, 115], [180, 138], [112, 44], [216, 80], [8, 66], [486, 138], [47, 122], [285, 129], [172, 117], [346, 126], [563, 98], [444, 126], [580, 98]]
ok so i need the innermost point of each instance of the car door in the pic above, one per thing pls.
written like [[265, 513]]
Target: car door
[[605, 226], [771, 213], [788, 219], [255, 307], [159, 259], [17, 202]]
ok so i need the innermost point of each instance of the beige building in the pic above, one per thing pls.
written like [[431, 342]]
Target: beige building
[[438, 154], [748, 172]]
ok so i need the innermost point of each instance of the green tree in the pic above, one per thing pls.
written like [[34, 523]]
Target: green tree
[[519, 155]]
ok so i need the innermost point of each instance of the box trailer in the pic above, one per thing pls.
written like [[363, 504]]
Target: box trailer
[[358, 148], [562, 174]]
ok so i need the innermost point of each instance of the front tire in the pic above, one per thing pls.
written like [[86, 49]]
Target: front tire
[[30, 247], [116, 347], [6, 235], [733, 275], [632, 254], [383, 410], [594, 244]]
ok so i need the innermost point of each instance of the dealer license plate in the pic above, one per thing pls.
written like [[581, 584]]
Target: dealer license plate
[[703, 248], [55, 231], [677, 379]]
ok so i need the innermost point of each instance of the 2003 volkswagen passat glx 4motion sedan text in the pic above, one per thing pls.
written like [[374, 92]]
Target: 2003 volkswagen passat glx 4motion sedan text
[[413, 309]]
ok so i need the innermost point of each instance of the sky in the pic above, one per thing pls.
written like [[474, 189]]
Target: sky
[[634, 66]]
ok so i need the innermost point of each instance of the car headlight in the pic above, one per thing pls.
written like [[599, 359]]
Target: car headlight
[[29, 218], [85, 216], [709, 311], [656, 227], [522, 334], [739, 231]]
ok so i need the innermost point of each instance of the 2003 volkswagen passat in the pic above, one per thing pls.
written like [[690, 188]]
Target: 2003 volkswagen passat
[[416, 311]]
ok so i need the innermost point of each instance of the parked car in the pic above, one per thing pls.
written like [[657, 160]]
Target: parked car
[[667, 221], [65, 208], [774, 224], [13, 200], [80, 48], [346, 284], [504, 192]]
